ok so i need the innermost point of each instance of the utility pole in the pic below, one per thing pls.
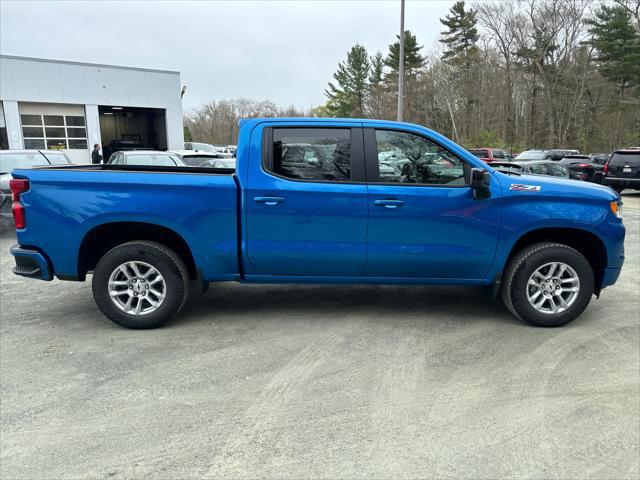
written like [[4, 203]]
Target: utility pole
[[401, 64]]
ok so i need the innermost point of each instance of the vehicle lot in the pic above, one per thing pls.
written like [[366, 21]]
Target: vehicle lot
[[320, 381]]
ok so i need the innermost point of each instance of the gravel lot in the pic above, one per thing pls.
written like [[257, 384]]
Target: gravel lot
[[319, 381]]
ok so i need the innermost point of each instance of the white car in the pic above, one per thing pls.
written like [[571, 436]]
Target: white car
[[200, 147], [146, 158], [196, 159], [220, 163], [10, 159]]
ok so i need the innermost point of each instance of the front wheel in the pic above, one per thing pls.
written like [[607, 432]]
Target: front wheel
[[140, 284], [548, 284]]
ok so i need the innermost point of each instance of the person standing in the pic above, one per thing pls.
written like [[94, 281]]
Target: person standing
[[95, 155]]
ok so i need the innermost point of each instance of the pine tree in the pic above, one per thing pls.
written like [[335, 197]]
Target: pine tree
[[377, 69], [413, 60], [376, 86], [618, 46], [462, 36], [413, 64], [187, 134], [348, 96]]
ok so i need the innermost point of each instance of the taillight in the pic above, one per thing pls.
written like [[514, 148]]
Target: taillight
[[18, 186], [605, 168], [583, 165]]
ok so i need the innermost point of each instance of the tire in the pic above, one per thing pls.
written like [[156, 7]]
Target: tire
[[167, 285], [540, 258]]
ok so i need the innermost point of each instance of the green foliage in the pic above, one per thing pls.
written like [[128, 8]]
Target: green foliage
[[412, 58], [461, 37], [618, 46], [377, 69], [348, 96]]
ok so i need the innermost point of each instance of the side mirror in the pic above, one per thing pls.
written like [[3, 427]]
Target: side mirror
[[480, 183]]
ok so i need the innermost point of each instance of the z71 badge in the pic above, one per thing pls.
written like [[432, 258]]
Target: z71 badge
[[520, 187]]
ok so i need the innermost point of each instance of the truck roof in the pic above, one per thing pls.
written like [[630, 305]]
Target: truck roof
[[255, 121]]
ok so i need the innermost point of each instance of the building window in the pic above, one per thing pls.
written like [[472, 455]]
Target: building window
[[54, 132]]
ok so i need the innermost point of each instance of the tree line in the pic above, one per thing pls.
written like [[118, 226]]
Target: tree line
[[217, 122], [516, 75]]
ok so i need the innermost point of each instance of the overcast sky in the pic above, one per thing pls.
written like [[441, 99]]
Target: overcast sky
[[284, 51]]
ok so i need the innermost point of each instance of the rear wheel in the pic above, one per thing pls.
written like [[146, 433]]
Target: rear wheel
[[140, 284], [548, 284]]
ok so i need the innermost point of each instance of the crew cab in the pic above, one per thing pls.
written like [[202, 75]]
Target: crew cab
[[307, 203]]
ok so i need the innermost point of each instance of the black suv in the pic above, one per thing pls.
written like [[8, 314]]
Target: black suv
[[623, 170]]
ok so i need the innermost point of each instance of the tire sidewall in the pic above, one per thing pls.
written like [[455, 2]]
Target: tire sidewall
[[552, 254], [173, 277]]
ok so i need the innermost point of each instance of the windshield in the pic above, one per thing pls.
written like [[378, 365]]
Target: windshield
[[56, 158], [195, 160], [480, 153], [9, 161], [202, 147], [161, 160], [531, 156], [625, 158]]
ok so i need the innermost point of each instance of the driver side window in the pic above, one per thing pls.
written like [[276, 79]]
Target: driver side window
[[404, 157]]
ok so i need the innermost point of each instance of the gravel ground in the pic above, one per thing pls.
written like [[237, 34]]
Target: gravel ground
[[319, 381]]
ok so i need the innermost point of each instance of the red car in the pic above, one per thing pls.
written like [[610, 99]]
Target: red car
[[492, 154]]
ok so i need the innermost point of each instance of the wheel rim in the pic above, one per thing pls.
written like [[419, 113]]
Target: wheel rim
[[137, 288], [553, 288]]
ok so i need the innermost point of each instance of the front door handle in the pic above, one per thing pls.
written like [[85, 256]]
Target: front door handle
[[269, 200], [389, 203]]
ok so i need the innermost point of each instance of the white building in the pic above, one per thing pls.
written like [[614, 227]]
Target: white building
[[71, 106]]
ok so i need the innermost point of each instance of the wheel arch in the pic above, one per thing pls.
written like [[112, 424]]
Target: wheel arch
[[584, 241], [102, 238]]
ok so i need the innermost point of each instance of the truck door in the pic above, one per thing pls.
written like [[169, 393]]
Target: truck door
[[306, 202], [423, 218]]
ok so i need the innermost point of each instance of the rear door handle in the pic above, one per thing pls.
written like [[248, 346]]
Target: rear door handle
[[389, 203], [269, 200]]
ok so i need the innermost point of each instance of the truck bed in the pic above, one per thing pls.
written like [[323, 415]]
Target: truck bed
[[138, 168], [68, 202]]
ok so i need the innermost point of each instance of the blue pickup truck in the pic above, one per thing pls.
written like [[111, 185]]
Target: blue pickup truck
[[319, 200]]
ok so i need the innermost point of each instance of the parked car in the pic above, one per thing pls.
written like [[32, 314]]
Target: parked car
[[491, 154], [200, 147], [534, 167], [529, 155], [219, 163], [231, 150], [598, 160], [580, 167], [146, 158], [622, 170], [560, 153], [11, 159], [193, 158], [122, 145], [151, 240]]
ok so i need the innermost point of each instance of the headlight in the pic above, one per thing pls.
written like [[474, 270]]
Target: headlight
[[616, 208]]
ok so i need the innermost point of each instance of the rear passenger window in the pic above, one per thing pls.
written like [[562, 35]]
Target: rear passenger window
[[538, 169], [632, 159], [558, 170], [322, 154]]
